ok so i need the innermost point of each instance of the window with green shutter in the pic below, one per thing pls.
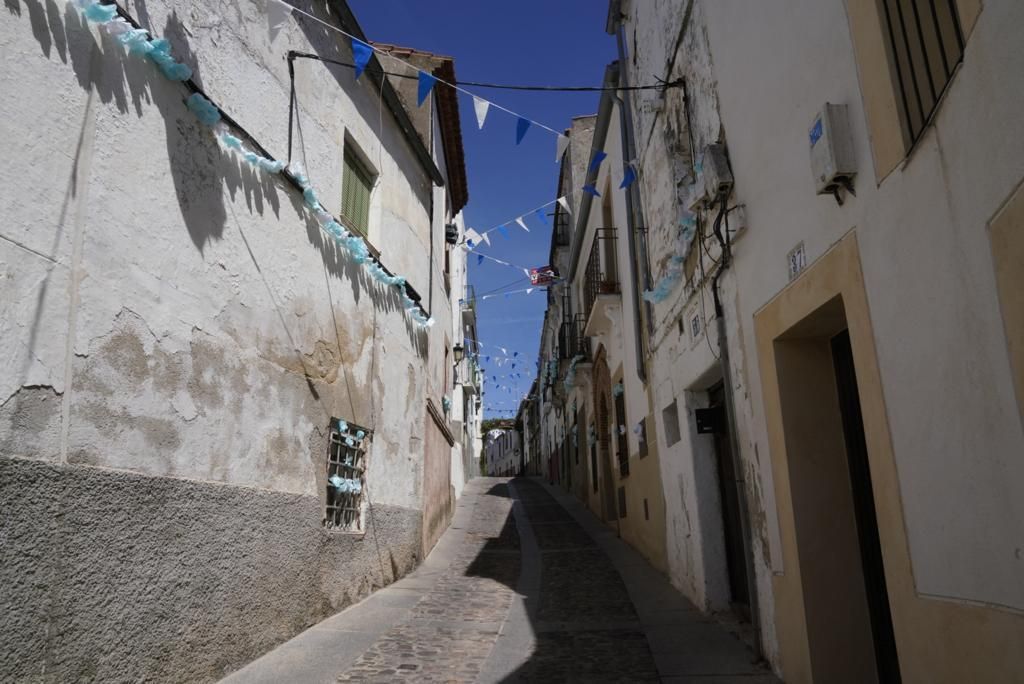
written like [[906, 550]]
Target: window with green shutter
[[356, 183]]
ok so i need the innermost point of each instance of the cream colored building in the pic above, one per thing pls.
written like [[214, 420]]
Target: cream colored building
[[809, 303], [856, 489]]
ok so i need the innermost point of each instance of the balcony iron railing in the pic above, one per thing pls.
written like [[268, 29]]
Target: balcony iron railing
[[561, 228], [571, 340], [602, 274]]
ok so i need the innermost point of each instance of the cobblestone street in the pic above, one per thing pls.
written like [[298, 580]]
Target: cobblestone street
[[521, 588]]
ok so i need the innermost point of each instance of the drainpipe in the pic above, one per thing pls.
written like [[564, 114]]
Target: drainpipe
[[634, 217], [737, 463]]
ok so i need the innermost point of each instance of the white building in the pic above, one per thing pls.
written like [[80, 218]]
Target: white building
[[502, 452], [182, 335]]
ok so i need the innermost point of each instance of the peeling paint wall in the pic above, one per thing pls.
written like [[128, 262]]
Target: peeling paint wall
[[170, 319]]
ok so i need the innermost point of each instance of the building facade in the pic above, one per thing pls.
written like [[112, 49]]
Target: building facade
[[827, 231], [503, 453], [218, 424]]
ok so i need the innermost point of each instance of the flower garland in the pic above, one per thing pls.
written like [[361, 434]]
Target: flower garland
[[138, 41], [570, 376], [668, 282]]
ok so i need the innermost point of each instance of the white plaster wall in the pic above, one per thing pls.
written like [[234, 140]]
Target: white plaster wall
[[945, 373], [185, 314], [502, 451], [669, 38]]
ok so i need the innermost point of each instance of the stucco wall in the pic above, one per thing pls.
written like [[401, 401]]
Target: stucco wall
[[187, 583], [172, 321], [927, 267]]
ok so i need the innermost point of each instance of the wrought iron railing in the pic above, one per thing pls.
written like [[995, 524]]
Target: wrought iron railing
[[602, 274]]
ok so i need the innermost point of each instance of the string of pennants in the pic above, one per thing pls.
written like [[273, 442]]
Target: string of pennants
[[278, 12]]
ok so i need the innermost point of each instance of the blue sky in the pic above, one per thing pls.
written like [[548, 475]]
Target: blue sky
[[534, 42]]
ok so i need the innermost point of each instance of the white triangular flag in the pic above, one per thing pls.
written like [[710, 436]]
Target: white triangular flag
[[565, 204], [480, 106], [529, 290], [563, 141], [472, 235], [483, 236], [278, 12], [527, 272], [522, 223]]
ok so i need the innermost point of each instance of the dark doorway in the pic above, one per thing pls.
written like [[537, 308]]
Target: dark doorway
[[880, 616], [732, 525]]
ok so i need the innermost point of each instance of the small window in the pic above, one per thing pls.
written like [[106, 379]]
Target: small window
[[346, 476], [641, 437], [356, 185], [925, 43], [670, 421]]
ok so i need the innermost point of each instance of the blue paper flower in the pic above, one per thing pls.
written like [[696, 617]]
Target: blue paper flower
[[204, 110], [100, 14]]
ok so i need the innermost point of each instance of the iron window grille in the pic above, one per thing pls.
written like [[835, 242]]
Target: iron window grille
[[346, 476], [927, 44]]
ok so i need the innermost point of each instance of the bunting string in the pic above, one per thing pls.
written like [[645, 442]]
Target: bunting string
[[117, 23], [362, 50]]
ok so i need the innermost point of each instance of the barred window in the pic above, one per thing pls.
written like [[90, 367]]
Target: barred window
[[346, 476], [926, 44]]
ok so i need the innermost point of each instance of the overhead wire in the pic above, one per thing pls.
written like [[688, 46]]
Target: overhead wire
[[457, 87]]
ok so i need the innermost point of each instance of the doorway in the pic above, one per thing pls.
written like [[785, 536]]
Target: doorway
[[841, 571], [732, 525], [864, 510]]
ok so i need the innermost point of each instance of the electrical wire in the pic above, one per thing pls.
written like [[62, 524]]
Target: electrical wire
[[661, 86]]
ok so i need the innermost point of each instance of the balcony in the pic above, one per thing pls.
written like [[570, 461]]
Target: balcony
[[572, 342], [469, 307], [601, 293]]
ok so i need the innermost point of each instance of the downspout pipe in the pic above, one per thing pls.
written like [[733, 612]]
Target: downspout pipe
[[737, 462]]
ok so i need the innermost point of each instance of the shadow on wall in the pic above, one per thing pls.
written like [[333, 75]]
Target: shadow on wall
[[197, 164]]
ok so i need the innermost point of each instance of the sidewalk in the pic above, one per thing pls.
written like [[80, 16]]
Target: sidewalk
[[525, 585], [687, 646]]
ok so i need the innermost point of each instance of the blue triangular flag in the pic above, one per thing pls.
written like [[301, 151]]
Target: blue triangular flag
[[522, 126], [426, 85], [515, 353], [591, 190], [627, 177], [507, 294], [598, 158], [361, 53], [479, 259], [503, 231], [540, 215]]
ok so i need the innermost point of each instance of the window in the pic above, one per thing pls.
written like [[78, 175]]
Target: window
[[356, 184], [670, 421], [641, 437], [346, 476], [620, 435], [926, 43]]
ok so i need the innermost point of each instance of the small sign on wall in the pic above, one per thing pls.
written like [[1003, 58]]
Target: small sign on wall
[[796, 260]]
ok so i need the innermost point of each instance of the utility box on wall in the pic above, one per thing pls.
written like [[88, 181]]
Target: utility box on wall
[[832, 159]]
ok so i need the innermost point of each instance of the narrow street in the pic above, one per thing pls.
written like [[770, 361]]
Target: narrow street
[[524, 587]]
